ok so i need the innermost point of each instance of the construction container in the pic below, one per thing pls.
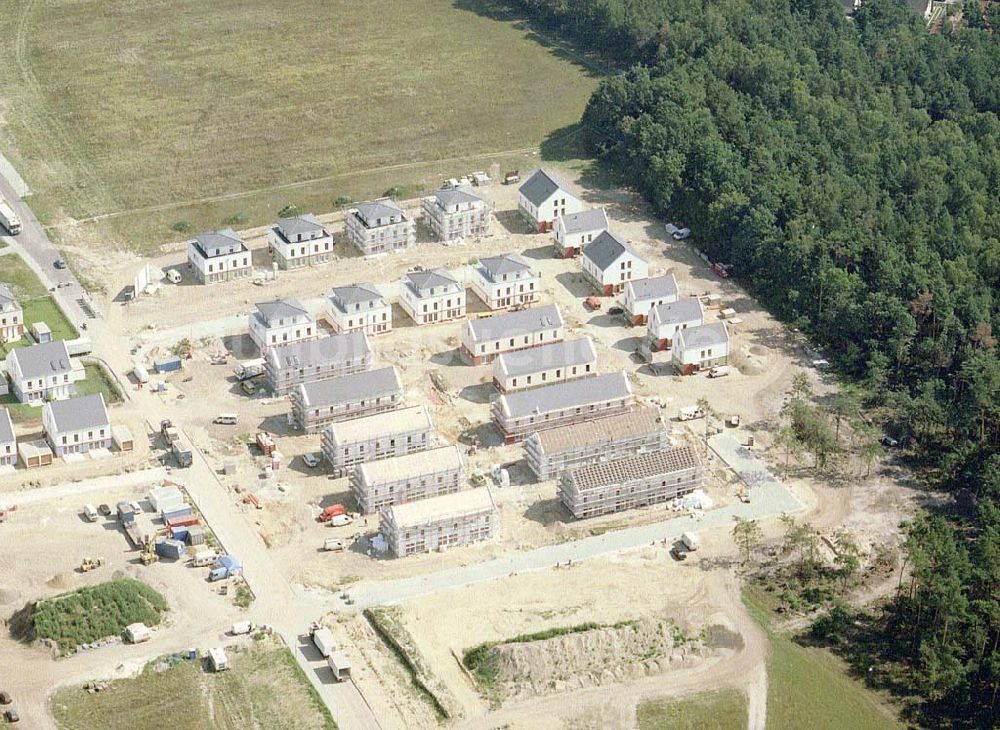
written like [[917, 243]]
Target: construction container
[[170, 549], [167, 364], [165, 499], [324, 641], [137, 633], [203, 558], [241, 627], [185, 521], [179, 533], [179, 512], [218, 659], [196, 535]]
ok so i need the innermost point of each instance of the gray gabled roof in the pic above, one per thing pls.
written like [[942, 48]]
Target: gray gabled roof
[[351, 388], [44, 360], [568, 394], [704, 335], [687, 309], [343, 296], [305, 223], [280, 309], [324, 351], [508, 263], [555, 355], [6, 297], [77, 414], [606, 249], [654, 287], [455, 196], [218, 243], [6, 427], [372, 210], [594, 219], [421, 280], [539, 187], [498, 326]]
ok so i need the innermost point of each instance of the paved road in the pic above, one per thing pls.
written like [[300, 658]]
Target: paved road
[[768, 499], [37, 250]]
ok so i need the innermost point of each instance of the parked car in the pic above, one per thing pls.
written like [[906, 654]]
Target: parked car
[[5, 698], [890, 442], [104, 510], [59, 264], [681, 234], [11, 715], [616, 310], [248, 387], [678, 553], [310, 460]]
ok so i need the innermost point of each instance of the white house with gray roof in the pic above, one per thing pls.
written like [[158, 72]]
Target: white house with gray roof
[[573, 231], [518, 415], [300, 241], [703, 346], [77, 425], [432, 296], [219, 256], [665, 320], [541, 199], [455, 214], [11, 316], [545, 365], [609, 264], [506, 281], [41, 373], [380, 226], [359, 307], [317, 405], [8, 441], [641, 295], [486, 338], [281, 322], [321, 359]]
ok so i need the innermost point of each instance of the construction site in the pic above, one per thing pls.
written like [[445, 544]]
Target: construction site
[[420, 480]]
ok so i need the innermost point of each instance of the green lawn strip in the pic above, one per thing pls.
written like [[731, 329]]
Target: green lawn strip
[[98, 381], [16, 274], [723, 710], [808, 687]]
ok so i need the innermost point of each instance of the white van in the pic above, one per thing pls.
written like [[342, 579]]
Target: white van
[[90, 512], [719, 372], [173, 276], [226, 419], [690, 413]]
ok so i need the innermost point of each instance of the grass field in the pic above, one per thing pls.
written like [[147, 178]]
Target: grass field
[[16, 274], [724, 710], [808, 687], [265, 689], [131, 105]]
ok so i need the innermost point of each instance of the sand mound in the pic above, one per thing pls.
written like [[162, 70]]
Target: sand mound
[[62, 581], [759, 350]]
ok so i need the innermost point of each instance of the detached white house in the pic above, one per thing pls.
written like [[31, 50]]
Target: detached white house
[[541, 199], [505, 281], [281, 323], [359, 307], [485, 338], [609, 264], [41, 372], [11, 316], [300, 241], [77, 425], [219, 256], [641, 295], [573, 231], [380, 226], [8, 442], [702, 346], [665, 320], [432, 296], [456, 213]]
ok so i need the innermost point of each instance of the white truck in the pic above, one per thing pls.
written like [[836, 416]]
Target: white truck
[[249, 369], [340, 665], [323, 639], [241, 627], [8, 218]]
